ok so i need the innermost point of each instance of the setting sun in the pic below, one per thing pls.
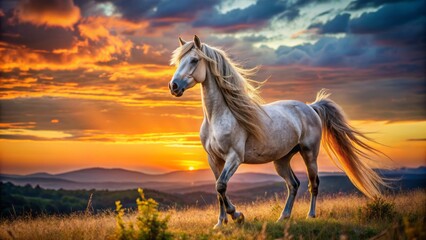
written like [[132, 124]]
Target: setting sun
[[190, 168]]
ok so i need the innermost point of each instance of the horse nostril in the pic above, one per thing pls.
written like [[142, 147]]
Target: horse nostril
[[174, 86]]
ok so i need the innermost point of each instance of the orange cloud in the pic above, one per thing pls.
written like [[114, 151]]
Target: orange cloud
[[102, 40], [18, 125], [60, 13], [95, 28]]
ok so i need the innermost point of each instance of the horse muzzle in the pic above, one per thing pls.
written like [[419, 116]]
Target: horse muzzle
[[177, 87]]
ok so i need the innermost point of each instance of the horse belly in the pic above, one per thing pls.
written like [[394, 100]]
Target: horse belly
[[271, 150]]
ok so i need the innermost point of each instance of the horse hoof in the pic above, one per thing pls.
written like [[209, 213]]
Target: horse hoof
[[238, 217], [282, 218], [310, 216], [220, 223], [217, 226]]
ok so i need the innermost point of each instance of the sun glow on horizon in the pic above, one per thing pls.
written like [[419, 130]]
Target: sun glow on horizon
[[154, 151]]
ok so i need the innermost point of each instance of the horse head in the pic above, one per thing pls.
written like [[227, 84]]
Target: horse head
[[190, 66]]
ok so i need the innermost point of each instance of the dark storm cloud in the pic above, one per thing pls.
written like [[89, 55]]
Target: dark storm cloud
[[384, 19], [243, 51], [134, 9], [360, 4], [181, 9], [388, 17], [350, 51], [256, 15], [294, 7], [159, 13], [137, 10], [252, 16], [392, 36], [411, 35], [36, 37], [355, 52], [338, 24]]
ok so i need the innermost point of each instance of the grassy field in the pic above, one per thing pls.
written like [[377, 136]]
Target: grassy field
[[339, 217]]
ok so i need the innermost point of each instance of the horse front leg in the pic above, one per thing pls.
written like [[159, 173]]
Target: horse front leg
[[216, 165], [232, 163]]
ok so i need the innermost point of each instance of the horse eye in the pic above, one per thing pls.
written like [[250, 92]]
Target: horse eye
[[194, 60]]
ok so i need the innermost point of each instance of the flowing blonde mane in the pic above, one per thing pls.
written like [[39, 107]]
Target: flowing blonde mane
[[241, 93]]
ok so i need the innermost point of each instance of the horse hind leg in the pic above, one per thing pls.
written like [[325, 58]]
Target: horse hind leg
[[283, 168], [309, 155]]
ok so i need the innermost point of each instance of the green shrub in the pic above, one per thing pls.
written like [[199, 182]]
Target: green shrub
[[377, 209], [150, 226]]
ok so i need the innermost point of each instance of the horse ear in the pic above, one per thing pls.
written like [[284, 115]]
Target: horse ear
[[181, 41], [197, 42]]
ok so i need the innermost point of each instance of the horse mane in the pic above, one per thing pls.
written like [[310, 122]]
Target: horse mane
[[240, 92]]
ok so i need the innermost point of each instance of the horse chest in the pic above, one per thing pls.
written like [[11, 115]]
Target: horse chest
[[217, 146], [217, 136]]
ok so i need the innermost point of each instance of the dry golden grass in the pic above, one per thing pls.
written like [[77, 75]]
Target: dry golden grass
[[60, 227], [338, 216]]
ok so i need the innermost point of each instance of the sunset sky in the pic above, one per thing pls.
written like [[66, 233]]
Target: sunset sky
[[84, 82]]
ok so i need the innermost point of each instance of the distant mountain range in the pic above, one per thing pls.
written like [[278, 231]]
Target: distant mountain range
[[101, 175], [120, 179], [196, 180]]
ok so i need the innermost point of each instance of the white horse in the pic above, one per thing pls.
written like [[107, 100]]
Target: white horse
[[238, 129]]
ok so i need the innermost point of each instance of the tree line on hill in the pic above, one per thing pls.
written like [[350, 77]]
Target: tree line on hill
[[33, 201]]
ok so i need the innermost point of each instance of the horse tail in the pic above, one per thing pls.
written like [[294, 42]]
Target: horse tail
[[347, 145]]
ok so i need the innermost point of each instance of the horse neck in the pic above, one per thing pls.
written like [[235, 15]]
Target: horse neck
[[214, 104]]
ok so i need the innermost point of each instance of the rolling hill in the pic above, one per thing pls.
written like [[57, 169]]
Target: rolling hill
[[185, 182], [71, 190]]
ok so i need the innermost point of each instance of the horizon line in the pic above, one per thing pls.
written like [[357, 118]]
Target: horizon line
[[183, 170]]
